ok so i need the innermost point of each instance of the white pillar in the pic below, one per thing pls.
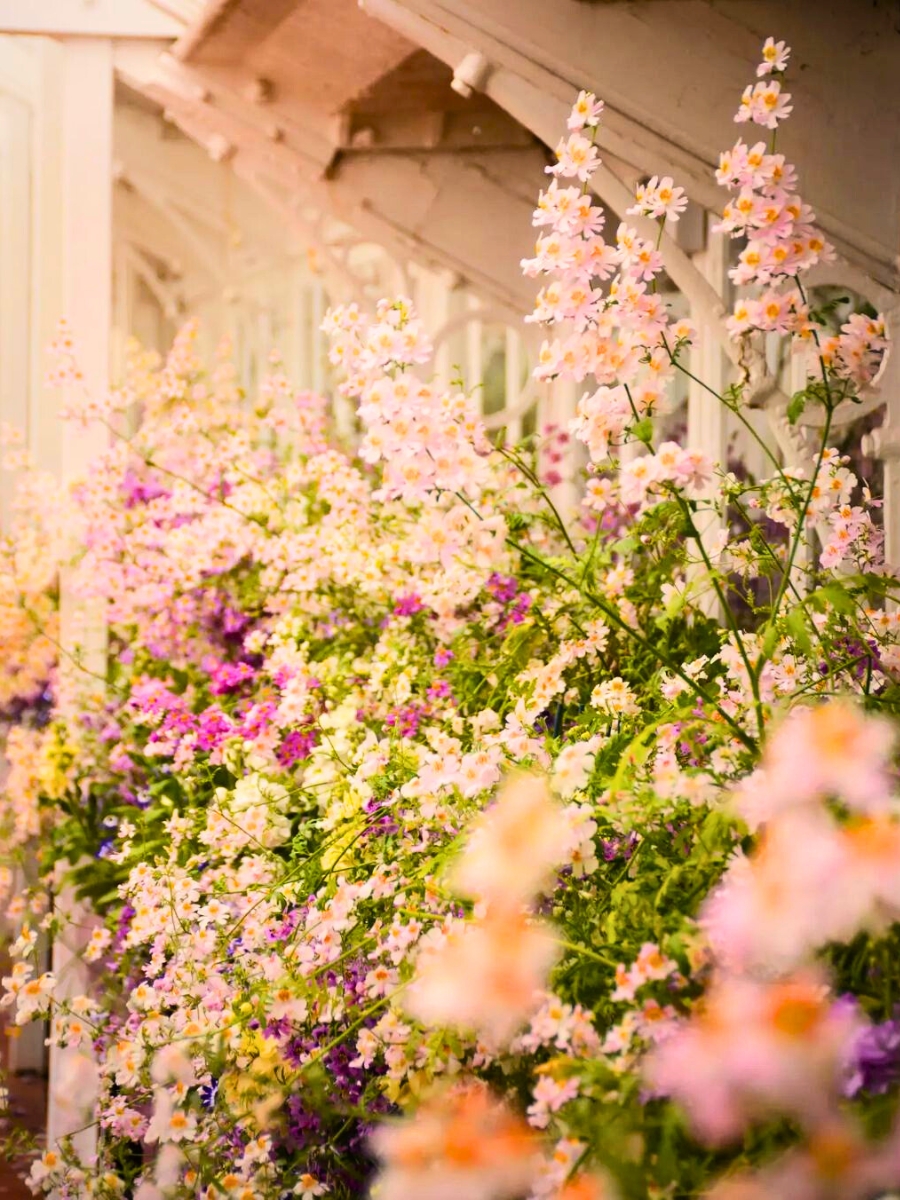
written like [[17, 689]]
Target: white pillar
[[47, 304], [87, 150], [888, 438], [514, 365], [474, 362], [86, 269], [707, 419]]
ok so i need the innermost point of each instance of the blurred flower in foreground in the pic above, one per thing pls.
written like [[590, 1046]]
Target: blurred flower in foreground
[[830, 750], [818, 874], [487, 974], [836, 1163], [755, 1049], [462, 1144], [484, 975], [515, 846]]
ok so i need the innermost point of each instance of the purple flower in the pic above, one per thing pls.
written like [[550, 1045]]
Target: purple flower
[[257, 720], [228, 677], [504, 588], [126, 916], [137, 491], [618, 847], [297, 746], [407, 605], [213, 728], [874, 1065], [406, 719]]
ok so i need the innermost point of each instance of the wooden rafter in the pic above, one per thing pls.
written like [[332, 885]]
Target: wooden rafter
[[101, 18]]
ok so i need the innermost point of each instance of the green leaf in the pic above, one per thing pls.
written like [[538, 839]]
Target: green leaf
[[643, 430], [838, 596], [770, 641], [795, 620], [796, 406]]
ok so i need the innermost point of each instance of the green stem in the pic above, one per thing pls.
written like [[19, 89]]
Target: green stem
[[723, 603], [545, 495], [609, 611]]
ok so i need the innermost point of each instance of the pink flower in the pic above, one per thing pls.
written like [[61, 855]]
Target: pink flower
[[754, 1050], [515, 846], [770, 911], [484, 976], [775, 57], [659, 199], [764, 104], [586, 111], [461, 1143], [829, 750], [577, 158], [549, 1097], [835, 1162], [637, 477]]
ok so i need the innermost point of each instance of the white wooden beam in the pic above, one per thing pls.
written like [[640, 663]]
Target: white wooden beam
[[541, 100], [204, 248], [198, 30], [88, 18], [205, 191]]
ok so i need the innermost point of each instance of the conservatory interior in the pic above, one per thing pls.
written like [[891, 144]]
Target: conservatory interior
[[449, 648]]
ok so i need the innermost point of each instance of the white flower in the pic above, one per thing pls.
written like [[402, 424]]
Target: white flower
[[309, 1187]]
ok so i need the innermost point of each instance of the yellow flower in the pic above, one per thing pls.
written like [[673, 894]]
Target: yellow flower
[[258, 1090]]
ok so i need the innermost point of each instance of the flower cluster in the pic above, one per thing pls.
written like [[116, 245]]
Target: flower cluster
[[771, 1037], [611, 323], [427, 440]]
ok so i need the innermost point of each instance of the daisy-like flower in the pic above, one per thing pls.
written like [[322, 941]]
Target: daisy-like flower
[[308, 1187], [586, 111], [485, 975], [659, 198], [515, 846], [775, 57]]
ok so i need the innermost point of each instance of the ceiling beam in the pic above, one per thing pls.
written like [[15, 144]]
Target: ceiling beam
[[88, 18], [228, 119], [536, 55]]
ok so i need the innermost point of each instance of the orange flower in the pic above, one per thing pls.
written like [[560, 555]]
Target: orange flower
[[460, 1143]]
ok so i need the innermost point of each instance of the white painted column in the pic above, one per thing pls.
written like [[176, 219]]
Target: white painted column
[[885, 442], [514, 385], [86, 269], [474, 364], [47, 305], [16, 118], [86, 178], [317, 346], [707, 419], [27, 140]]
